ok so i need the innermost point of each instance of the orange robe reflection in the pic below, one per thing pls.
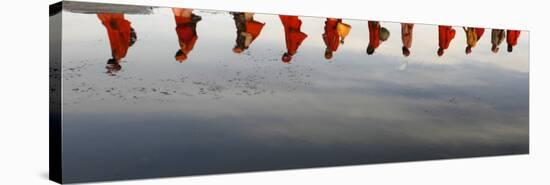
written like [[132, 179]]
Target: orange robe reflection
[[254, 28], [331, 36], [293, 35], [186, 24], [446, 35], [118, 30], [248, 30], [512, 38], [472, 37]]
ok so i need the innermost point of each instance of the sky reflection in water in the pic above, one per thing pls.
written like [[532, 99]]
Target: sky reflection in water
[[218, 111]]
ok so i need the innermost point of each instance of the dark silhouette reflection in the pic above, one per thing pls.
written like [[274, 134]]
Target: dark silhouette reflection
[[248, 30], [497, 36], [446, 35], [121, 37], [512, 38], [186, 28], [377, 35], [472, 36], [406, 37], [293, 35]]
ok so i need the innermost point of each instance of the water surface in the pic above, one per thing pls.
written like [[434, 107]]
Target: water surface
[[219, 111]]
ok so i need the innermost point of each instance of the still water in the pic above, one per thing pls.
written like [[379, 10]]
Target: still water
[[154, 92]]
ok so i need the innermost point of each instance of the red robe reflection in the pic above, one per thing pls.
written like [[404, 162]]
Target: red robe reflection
[[446, 35], [479, 32], [331, 36], [118, 30], [254, 28], [248, 30], [512, 37], [186, 24], [374, 34], [293, 35]]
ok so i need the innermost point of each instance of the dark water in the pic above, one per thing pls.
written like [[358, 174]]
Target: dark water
[[218, 111]]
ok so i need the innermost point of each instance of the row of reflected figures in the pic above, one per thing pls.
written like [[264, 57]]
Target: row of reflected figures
[[122, 35]]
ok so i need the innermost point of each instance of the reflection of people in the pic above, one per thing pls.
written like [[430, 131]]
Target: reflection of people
[[446, 35], [121, 37], [406, 37], [472, 36], [497, 36], [331, 36], [186, 28], [248, 29], [293, 35], [512, 38], [377, 34]]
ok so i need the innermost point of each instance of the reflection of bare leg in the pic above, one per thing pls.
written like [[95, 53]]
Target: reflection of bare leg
[[183, 12], [248, 16]]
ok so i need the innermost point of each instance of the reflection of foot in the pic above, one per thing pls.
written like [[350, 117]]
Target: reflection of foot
[[112, 66], [133, 36], [195, 18]]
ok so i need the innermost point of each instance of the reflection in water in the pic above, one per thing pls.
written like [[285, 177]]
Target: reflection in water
[[446, 35], [186, 28], [497, 36], [407, 37], [512, 39], [248, 30], [377, 34], [335, 32], [472, 36], [293, 35], [243, 110], [331, 37], [121, 37]]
